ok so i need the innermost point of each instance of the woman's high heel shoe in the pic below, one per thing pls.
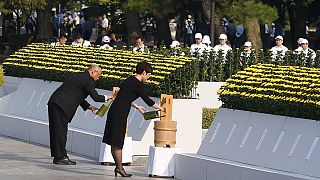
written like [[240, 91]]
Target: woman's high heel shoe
[[116, 171]]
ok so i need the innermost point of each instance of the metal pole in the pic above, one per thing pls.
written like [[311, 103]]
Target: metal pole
[[212, 24]]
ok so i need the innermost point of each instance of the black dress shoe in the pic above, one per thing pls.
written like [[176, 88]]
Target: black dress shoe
[[64, 161]]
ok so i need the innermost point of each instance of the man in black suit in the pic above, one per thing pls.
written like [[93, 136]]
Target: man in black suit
[[63, 104]]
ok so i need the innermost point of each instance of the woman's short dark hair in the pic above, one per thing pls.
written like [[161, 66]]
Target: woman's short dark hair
[[77, 35], [143, 66], [63, 36]]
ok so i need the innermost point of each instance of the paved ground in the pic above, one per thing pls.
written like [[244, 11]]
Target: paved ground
[[24, 161]]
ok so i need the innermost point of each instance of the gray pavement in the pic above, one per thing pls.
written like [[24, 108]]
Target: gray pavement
[[24, 161]]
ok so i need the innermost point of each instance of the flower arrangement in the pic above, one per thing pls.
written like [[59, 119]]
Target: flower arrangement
[[268, 88], [171, 75]]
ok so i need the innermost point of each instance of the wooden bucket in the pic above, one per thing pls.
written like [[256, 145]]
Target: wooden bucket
[[165, 133]]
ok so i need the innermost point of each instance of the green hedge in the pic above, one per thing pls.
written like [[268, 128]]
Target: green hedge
[[207, 117], [174, 75], [213, 66], [268, 88]]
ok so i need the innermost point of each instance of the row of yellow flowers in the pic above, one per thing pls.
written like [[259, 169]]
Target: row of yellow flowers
[[57, 62], [1, 76], [285, 90]]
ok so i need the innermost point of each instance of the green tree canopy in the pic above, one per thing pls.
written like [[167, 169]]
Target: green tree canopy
[[242, 10], [21, 6]]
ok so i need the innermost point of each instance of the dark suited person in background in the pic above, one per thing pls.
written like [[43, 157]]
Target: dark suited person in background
[[63, 104]]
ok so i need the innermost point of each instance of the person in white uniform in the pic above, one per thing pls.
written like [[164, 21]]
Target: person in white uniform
[[198, 47], [309, 53], [222, 45], [246, 49], [279, 49], [299, 44], [206, 41], [106, 43], [176, 49]]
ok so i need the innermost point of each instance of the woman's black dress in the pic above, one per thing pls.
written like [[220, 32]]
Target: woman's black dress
[[116, 124]]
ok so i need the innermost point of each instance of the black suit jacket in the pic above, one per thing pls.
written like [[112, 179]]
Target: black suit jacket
[[73, 93]]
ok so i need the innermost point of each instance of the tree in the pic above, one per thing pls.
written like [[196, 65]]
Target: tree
[[44, 25], [297, 10], [249, 13], [206, 5], [22, 9], [160, 9]]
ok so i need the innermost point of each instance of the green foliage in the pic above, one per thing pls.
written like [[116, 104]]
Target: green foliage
[[101, 2], [281, 90], [156, 7], [208, 115], [214, 67], [293, 2], [242, 10], [25, 6], [4, 9]]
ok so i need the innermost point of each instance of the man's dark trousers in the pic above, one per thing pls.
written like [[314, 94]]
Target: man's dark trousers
[[58, 128]]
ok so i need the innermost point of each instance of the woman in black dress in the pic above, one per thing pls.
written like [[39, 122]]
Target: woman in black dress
[[131, 89]]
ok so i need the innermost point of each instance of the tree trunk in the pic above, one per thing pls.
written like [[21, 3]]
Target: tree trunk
[[18, 25], [292, 26], [253, 33], [133, 26], [206, 5], [44, 25], [219, 28], [300, 11], [163, 31]]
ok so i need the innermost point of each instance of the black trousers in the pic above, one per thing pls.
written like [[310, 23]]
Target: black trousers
[[58, 128]]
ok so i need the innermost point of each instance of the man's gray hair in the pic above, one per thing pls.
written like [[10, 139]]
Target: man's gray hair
[[94, 67]]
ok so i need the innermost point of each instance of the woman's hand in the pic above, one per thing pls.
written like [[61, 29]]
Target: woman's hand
[[111, 96], [141, 109], [161, 109]]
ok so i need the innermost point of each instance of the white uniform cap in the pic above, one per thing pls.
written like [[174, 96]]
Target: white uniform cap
[[223, 36], [299, 40], [105, 39], [198, 36], [206, 39], [174, 44], [247, 44], [279, 37], [304, 41]]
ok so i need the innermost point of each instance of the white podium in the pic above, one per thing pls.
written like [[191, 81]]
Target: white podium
[[161, 161], [106, 156]]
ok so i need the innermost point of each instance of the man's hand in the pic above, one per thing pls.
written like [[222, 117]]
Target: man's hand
[[93, 109], [141, 109]]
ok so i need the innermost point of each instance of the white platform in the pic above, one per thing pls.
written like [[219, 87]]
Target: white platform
[[207, 94], [24, 103], [161, 161], [248, 145], [106, 156]]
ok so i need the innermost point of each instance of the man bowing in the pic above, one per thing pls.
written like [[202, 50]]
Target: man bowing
[[63, 104]]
